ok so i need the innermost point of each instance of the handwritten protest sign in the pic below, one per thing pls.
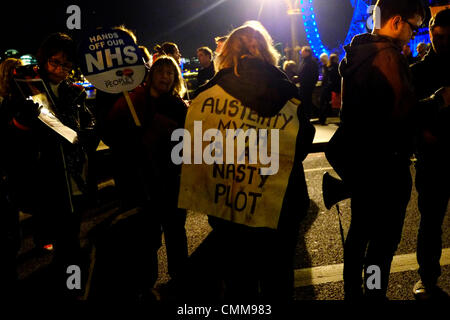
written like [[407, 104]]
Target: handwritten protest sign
[[232, 190]]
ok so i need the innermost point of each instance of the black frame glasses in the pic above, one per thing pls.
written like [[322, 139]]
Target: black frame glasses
[[64, 66], [414, 28]]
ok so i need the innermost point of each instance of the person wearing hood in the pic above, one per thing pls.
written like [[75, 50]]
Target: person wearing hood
[[251, 247], [376, 133], [432, 173]]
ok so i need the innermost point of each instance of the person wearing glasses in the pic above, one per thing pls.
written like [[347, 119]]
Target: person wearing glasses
[[376, 133], [52, 168]]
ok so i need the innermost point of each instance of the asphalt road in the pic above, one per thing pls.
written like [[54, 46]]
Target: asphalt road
[[320, 243], [319, 250]]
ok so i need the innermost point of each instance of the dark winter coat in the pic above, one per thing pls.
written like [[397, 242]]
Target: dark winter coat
[[431, 74], [378, 96], [40, 162], [145, 153]]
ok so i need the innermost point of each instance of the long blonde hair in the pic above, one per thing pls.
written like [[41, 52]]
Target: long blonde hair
[[6, 75], [249, 40]]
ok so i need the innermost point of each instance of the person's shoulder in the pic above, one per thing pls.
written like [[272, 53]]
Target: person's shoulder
[[388, 57]]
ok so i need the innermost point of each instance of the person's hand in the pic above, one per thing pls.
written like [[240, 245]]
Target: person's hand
[[26, 112]]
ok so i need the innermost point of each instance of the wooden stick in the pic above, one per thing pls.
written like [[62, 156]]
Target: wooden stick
[[132, 110]]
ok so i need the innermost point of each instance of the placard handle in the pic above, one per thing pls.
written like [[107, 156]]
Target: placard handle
[[132, 110]]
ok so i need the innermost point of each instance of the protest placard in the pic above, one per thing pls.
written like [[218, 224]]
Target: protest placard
[[112, 62], [249, 192]]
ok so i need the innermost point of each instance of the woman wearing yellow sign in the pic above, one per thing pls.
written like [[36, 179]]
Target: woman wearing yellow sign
[[255, 219]]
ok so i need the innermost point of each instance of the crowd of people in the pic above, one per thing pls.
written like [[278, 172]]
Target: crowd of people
[[389, 109]]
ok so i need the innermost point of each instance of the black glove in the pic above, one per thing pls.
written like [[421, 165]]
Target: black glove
[[26, 112]]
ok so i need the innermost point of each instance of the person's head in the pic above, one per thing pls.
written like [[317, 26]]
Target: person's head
[[422, 49], [250, 40], [289, 67], [125, 29], [204, 55], [334, 59], [219, 43], [56, 57], [170, 49], [7, 68], [324, 59], [406, 49], [440, 33], [399, 19], [306, 52], [165, 77]]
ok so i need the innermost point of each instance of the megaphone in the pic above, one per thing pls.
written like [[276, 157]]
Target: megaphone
[[334, 190]]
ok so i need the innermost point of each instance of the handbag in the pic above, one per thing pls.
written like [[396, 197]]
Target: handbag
[[335, 100]]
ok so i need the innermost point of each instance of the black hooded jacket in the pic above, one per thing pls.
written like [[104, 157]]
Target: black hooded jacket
[[378, 98]]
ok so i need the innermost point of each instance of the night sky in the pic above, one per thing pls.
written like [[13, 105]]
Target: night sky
[[24, 25]]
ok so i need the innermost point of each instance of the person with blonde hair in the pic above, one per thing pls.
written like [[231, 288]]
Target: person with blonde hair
[[152, 180], [250, 255], [7, 68], [10, 241]]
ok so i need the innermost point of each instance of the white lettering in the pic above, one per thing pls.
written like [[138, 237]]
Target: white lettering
[[73, 21]]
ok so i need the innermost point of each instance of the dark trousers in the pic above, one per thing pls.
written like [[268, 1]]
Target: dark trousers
[[173, 222], [9, 243], [325, 106], [236, 263], [126, 257], [432, 186], [379, 202], [306, 95]]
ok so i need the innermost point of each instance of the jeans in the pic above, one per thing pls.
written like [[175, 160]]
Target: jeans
[[378, 204]]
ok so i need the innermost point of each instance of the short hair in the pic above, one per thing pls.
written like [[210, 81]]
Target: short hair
[[289, 65], [251, 39], [220, 39], [56, 42], [421, 45], [405, 8], [167, 48], [206, 51], [178, 87], [307, 49], [334, 58], [441, 19]]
